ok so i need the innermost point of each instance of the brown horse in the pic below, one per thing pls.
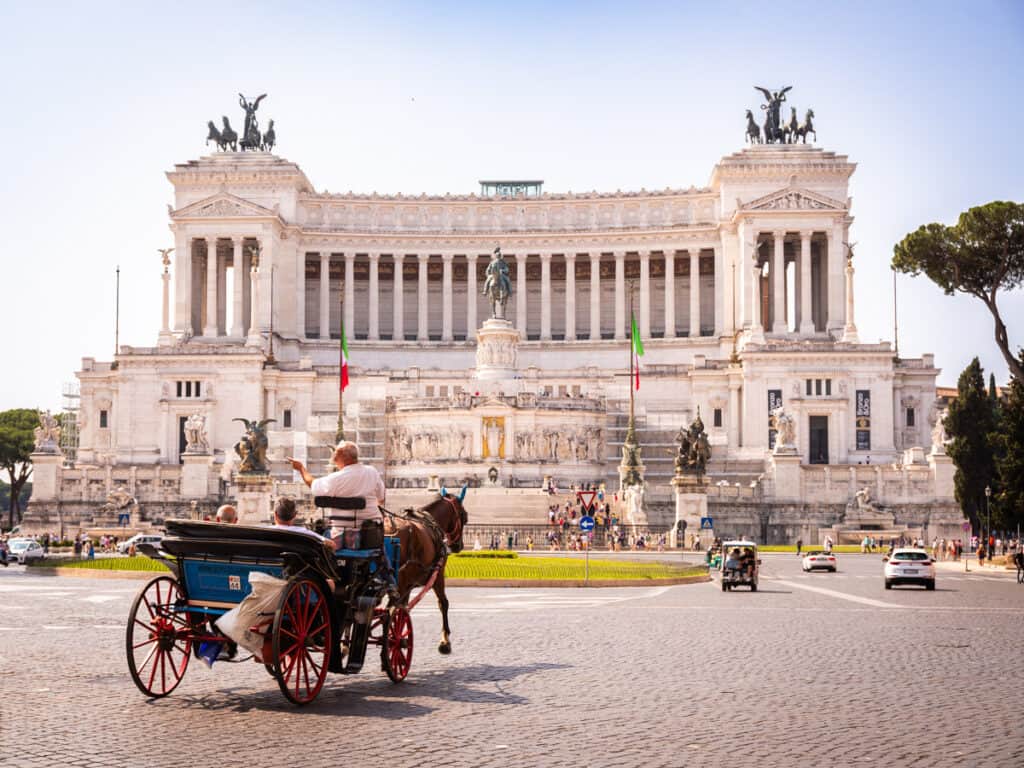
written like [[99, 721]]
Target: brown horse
[[427, 535]]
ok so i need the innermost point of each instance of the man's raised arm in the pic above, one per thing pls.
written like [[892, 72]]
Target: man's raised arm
[[299, 467]]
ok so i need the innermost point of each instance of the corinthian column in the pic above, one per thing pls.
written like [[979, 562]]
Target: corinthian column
[[670, 293], [850, 330], [620, 295], [325, 295], [545, 297], [779, 283], [255, 338], [595, 295], [645, 294], [570, 297], [806, 313], [238, 278], [350, 295], [521, 293], [694, 292], [165, 337], [422, 329], [471, 298], [446, 296], [398, 304], [210, 327], [374, 325]]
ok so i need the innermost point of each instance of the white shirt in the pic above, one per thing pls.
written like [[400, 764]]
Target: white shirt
[[298, 529], [353, 480]]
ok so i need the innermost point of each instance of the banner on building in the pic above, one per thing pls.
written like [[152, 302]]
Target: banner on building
[[863, 417]]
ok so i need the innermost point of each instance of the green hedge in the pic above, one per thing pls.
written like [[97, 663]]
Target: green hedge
[[138, 563], [505, 554], [474, 565]]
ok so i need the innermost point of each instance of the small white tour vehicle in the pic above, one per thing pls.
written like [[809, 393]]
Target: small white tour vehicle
[[743, 554]]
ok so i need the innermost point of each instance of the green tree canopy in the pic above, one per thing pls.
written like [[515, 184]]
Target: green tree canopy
[[982, 254], [17, 439], [1009, 440], [969, 425]]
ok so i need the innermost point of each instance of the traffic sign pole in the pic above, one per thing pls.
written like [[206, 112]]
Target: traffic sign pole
[[586, 526]]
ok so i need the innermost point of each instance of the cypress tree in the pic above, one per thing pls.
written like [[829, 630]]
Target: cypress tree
[[1009, 440], [970, 424]]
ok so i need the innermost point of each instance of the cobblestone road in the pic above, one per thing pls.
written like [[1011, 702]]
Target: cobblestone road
[[814, 669]]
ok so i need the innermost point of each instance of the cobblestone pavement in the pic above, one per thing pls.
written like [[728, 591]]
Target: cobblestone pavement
[[813, 669]]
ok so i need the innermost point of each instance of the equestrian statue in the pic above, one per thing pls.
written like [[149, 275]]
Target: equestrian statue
[[497, 287], [775, 130]]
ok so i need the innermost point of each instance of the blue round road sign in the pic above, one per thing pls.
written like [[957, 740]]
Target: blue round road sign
[[586, 523]]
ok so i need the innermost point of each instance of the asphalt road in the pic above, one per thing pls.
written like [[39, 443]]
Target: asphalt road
[[813, 669]]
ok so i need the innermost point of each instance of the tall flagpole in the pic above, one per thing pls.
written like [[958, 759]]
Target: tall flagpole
[[632, 353], [341, 365], [117, 312]]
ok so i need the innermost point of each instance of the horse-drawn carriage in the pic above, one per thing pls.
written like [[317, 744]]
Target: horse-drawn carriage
[[332, 605]]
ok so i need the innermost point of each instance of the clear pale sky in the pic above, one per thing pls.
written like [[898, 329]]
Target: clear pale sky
[[99, 100]]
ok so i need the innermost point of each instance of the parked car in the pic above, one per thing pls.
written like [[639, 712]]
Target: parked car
[[909, 566], [816, 560], [139, 538], [23, 550]]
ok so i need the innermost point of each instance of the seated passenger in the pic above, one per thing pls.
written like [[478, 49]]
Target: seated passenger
[[732, 562], [351, 480], [227, 514], [284, 518]]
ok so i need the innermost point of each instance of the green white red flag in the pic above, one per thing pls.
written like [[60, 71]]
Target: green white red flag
[[344, 359], [637, 349]]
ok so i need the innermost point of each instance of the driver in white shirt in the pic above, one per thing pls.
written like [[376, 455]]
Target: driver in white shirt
[[351, 479]]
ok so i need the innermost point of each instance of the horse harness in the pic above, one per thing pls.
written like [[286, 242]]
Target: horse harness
[[441, 537]]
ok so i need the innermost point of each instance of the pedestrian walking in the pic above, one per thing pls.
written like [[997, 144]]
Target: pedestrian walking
[[799, 546]]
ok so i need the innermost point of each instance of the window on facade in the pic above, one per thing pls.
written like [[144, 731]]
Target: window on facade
[[430, 390], [188, 389], [195, 389], [828, 386], [443, 390], [103, 419], [809, 391], [575, 390], [911, 417], [549, 390], [286, 417], [717, 417], [179, 383], [817, 386]]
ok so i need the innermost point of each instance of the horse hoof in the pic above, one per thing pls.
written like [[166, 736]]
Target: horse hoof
[[444, 648]]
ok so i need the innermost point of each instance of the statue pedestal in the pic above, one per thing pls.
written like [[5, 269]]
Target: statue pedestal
[[785, 467], [255, 493], [497, 350], [195, 475], [46, 472], [691, 506]]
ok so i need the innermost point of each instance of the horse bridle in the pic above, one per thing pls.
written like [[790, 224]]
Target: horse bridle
[[456, 532]]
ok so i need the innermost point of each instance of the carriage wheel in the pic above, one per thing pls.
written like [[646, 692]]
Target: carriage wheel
[[158, 640], [397, 651], [302, 641]]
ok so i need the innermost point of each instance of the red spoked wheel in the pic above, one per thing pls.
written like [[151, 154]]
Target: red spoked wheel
[[158, 640], [302, 641], [397, 651]]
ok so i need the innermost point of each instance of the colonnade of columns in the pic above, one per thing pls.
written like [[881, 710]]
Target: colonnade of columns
[[524, 286], [818, 279], [201, 305]]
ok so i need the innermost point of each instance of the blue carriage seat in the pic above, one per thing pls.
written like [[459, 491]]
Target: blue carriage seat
[[214, 560], [354, 504]]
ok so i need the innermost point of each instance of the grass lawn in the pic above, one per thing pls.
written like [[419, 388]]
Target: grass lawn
[[535, 568]]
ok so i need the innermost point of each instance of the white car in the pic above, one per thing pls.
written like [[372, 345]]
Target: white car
[[909, 566], [818, 560], [23, 550], [139, 538]]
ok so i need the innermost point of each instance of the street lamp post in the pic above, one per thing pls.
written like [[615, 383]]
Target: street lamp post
[[988, 516]]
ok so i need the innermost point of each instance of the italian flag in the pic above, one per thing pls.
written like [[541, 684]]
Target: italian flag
[[344, 359], [637, 349]]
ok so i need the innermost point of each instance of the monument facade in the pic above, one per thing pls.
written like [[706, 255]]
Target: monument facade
[[491, 331]]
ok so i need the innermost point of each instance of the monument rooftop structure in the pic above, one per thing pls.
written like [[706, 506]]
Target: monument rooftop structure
[[742, 292]]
